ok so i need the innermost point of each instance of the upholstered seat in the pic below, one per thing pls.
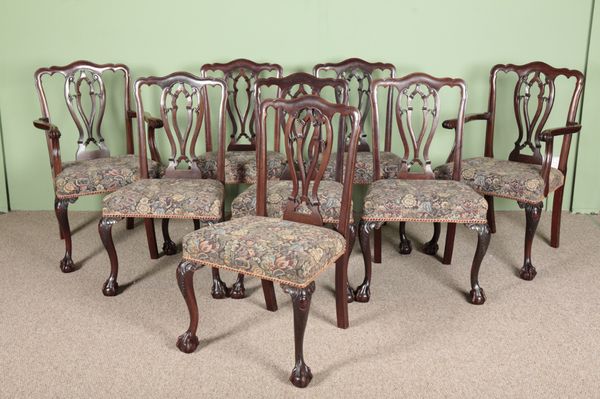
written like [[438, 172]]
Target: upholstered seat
[[286, 252], [240, 166], [330, 198], [100, 175], [389, 166], [507, 179], [167, 198], [423, 200]]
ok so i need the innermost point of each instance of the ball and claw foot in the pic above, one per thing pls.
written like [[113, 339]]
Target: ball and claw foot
[[477, 296], [219, 290], [405, 247], [362, 293], [169, 248], [528, 272], [67, 265], [238, 291], [350, 294], [430, 248], [301, 375], [110, 287], [187, 343]]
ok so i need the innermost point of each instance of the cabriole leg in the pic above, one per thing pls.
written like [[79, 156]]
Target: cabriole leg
[[477, 295], [431, 247], [363, 291], [61, 208], [169, 247], [533, 212], [238, 291], [301, 374], [110, 287], [405, 246], [351, 241], [188, 341]]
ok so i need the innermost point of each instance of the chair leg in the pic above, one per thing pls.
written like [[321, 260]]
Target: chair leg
[[431, 247], [238, 291], [60, 233], [377, 246], [556, 215], [151, 238], [341, 291], [301, 374], [477, 295], [405, 246], [129, 223], [270, 298], [533, 212], [449, 246], [110, 287], [169, 247], [363, 291], [61, 209], [219, 289], [491, 215], [196, 224], [351, 241], [188, 341]]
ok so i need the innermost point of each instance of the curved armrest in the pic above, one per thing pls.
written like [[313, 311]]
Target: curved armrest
[[549, 134], [155, 123], [49, 128], [53, 136], [451, 123]]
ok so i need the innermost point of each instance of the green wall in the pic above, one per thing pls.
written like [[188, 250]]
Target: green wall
[[462, 39]]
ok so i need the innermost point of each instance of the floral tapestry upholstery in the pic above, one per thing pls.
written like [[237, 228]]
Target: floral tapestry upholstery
[[507, 179], [396, 200], [330, 198], [100, 175], [240, 166], [273, 249], [389, 164], [167, 198]]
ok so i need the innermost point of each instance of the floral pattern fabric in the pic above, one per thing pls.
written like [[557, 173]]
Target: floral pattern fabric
[[389, 164], [100, 175], [287, 252], [423, 200], [330, 199], [167, 198], [508, 179], [240, 166]]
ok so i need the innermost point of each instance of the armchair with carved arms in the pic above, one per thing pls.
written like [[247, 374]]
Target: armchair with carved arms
[[528, 175], [95, 169]]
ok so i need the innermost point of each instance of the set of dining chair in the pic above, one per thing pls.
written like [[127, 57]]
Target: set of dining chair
[[297, 145]]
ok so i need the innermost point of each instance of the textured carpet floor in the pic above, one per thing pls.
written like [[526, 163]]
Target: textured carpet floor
[[418, 337]]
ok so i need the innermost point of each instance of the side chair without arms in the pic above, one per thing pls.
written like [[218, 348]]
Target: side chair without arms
[[181, 192], [525, 177], [240, 75], [293, 250], [330, 190], [415, 195], [95, 170]]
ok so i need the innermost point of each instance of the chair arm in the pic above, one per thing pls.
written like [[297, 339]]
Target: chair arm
[[549, 134], [451, 123], [155, 123], [53, 138], [131, 114]]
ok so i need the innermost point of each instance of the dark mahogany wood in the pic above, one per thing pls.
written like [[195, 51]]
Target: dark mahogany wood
[[417, 103], [188, 341], [533, 212], [241, 75], [110, 287], [169, 247], [531, 128], [82, 79]]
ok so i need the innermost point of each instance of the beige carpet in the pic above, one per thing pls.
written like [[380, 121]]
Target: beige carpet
[[418, 337]]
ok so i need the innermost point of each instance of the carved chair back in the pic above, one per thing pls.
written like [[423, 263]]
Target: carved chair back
[[360, 75], [84, 84], [183, 111], [531, 111], [308, 139], [240, 76], [416, 108], [298, 85]]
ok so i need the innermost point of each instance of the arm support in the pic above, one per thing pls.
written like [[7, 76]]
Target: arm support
[[153, 124], [548, 136], [52, 137], [451, 123]]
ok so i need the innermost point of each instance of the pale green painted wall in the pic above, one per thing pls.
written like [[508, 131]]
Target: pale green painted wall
[[461, 39], [3, 194], [587, 180]]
